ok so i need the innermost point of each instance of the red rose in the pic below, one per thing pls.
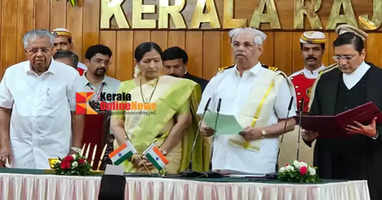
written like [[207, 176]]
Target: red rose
[[68, 158], [65, 164], [68, 165], [303, 170], [62, 165], [81, 161]]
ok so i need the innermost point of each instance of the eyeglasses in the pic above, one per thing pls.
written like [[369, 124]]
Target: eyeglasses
[[36, 50], [246, 45], [344, 57]]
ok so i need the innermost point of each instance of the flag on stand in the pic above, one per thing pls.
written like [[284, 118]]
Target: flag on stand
[[125, 151], [155, 156]]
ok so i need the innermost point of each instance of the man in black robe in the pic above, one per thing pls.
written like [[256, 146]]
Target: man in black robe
[[348, 84], [175, 64]]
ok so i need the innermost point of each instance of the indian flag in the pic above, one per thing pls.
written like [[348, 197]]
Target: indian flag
[[155, 156], [125, 151]]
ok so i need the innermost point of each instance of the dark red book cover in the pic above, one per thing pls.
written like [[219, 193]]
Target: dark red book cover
[[334, 126]]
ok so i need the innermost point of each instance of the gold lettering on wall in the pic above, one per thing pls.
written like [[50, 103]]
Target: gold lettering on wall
[[174, 11], [202, 14], [375, 22], [210, 16], [228, 20], [336, 18], [265, 13], [138, 10], [310, 9], [110, 9]]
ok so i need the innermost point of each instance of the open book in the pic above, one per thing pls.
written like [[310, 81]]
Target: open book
[[334, 126]]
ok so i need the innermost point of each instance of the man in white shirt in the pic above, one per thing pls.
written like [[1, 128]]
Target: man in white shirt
[[258, 98], [95, 80], [350, 83], [98, 58], [37, 104]]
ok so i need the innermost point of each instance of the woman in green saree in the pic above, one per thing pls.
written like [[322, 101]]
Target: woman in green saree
[[172, 125]]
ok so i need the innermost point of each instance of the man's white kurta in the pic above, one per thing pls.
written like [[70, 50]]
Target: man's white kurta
[[234, 92], [40, 126]]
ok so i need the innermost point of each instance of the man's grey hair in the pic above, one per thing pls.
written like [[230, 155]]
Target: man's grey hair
[[258, 36], [37, 33]]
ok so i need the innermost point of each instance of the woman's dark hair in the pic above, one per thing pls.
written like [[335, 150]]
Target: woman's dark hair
[[350, 38], [146, 47]]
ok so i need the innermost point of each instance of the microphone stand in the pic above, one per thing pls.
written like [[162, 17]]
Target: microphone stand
[[217, 113], [286, 121], [285, 125], [199, 125], [299, 129], [212, 174], [190, 172]]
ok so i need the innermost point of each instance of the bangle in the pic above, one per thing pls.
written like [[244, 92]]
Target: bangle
[[76, 149], [164, 152]]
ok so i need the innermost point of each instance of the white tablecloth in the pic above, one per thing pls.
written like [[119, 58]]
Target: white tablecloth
[[52, 187]]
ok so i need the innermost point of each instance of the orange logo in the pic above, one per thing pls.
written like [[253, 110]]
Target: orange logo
[[82, 106]]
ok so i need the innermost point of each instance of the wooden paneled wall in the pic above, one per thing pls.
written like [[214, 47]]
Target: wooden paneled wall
[[207, 49]]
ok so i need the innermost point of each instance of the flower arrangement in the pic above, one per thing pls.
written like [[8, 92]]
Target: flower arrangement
[[299, 172], [73, 164]]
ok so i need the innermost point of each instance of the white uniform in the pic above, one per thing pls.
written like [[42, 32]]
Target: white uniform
[[40, 126], [309, 74], [235, 93]]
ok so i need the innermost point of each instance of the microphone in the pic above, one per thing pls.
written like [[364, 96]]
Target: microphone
[[199, 124], [290, 104], [206, 107], [286, 121], [190, 173], [299, 128], [217, 112]]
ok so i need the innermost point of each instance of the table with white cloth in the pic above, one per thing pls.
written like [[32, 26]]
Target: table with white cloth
[[36, 184]]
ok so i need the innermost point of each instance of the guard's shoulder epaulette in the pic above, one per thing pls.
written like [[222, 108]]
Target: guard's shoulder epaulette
[[220, 69], [272, 68], [328, 68]]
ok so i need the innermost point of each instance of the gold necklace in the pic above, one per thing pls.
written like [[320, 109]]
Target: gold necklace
[[152, 93]]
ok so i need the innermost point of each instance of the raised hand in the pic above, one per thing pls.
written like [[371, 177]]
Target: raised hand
[[369, 130]]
